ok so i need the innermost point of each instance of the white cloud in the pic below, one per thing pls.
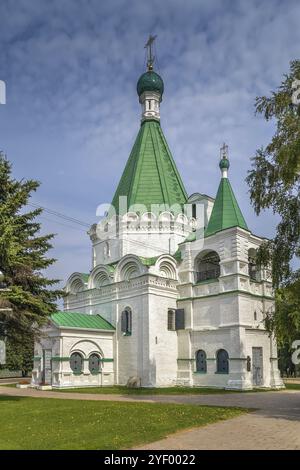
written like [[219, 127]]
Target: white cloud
[[72, 112]]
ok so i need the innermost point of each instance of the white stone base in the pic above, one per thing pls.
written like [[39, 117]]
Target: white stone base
[[44, 387]]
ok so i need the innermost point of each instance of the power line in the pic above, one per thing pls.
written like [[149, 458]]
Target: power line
[[60, 215], [61, 223]]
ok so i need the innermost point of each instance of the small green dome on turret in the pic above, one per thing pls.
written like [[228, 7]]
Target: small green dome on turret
[[224, 163], [150, 81]]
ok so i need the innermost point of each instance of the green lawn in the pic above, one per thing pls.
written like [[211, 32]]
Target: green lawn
[[43, 423], [122, 390], [292, 386]]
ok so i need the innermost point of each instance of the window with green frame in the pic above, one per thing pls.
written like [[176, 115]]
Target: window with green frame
[[94, 363], [76, 363]]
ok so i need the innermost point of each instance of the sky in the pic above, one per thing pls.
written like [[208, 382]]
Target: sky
[[72, 113]]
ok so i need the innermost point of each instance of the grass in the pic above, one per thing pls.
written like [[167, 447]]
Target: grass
[[122, 390], [291, 386], [48, 424]]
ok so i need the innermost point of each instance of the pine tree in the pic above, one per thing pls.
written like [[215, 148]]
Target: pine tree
[[29, 297], [275, 177]]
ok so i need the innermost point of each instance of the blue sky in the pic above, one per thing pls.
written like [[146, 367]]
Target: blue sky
[[72, 112]]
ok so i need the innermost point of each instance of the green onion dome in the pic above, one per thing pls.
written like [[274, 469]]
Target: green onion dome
[[224, 163], [150, 81]]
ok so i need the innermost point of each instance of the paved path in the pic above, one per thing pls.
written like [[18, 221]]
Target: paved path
[[274, 423]]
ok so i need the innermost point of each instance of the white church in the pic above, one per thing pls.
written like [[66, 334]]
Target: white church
[[174, 296]]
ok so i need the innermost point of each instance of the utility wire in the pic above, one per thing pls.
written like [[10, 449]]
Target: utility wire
[[59, 214]]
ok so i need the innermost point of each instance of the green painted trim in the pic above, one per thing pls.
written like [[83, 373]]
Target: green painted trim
[[211, 358], [60, 359], [187, 359], [198, 372], [274, 358], [37, 358], [237, 291]]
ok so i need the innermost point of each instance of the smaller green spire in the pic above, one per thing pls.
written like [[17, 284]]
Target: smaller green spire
[[226, 212]]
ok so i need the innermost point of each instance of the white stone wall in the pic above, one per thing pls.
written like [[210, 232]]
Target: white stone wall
[[64, 342]]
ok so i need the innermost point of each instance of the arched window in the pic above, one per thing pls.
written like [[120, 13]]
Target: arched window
[[126, 321], [222, 362], [171, 320], [76, 363], [94, 363], [207, 266], [201, 365], [252, 267]]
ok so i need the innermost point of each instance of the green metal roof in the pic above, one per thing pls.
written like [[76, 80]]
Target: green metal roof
[[148, 261], [80, 320], [226, 212], [150, 175]]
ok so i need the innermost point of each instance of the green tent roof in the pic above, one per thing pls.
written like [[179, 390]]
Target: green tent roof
[[150, 175], [226, 212], [80, 320]]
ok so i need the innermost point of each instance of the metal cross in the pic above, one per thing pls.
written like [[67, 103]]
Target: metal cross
[[224, 151], [148, 46]]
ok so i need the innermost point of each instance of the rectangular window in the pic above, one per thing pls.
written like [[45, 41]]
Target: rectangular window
[[179, 319]]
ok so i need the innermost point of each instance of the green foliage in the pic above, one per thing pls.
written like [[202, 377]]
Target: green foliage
[[274, 179], [285, 321], [29, 298], [19, 353]]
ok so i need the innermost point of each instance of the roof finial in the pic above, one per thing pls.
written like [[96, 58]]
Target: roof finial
[[224, 161], [150, 56]]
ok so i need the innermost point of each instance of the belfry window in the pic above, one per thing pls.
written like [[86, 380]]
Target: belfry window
[[252, 265], [207, 266]]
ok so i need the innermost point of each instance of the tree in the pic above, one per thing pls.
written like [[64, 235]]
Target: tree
[[285, 324], [19, 353], [29, 297], [274, 179]]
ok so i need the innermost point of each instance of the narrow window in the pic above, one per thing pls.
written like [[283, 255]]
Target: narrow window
[[222, 362], [201, 364], [171, 320], [76, 363], [126, 322]]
